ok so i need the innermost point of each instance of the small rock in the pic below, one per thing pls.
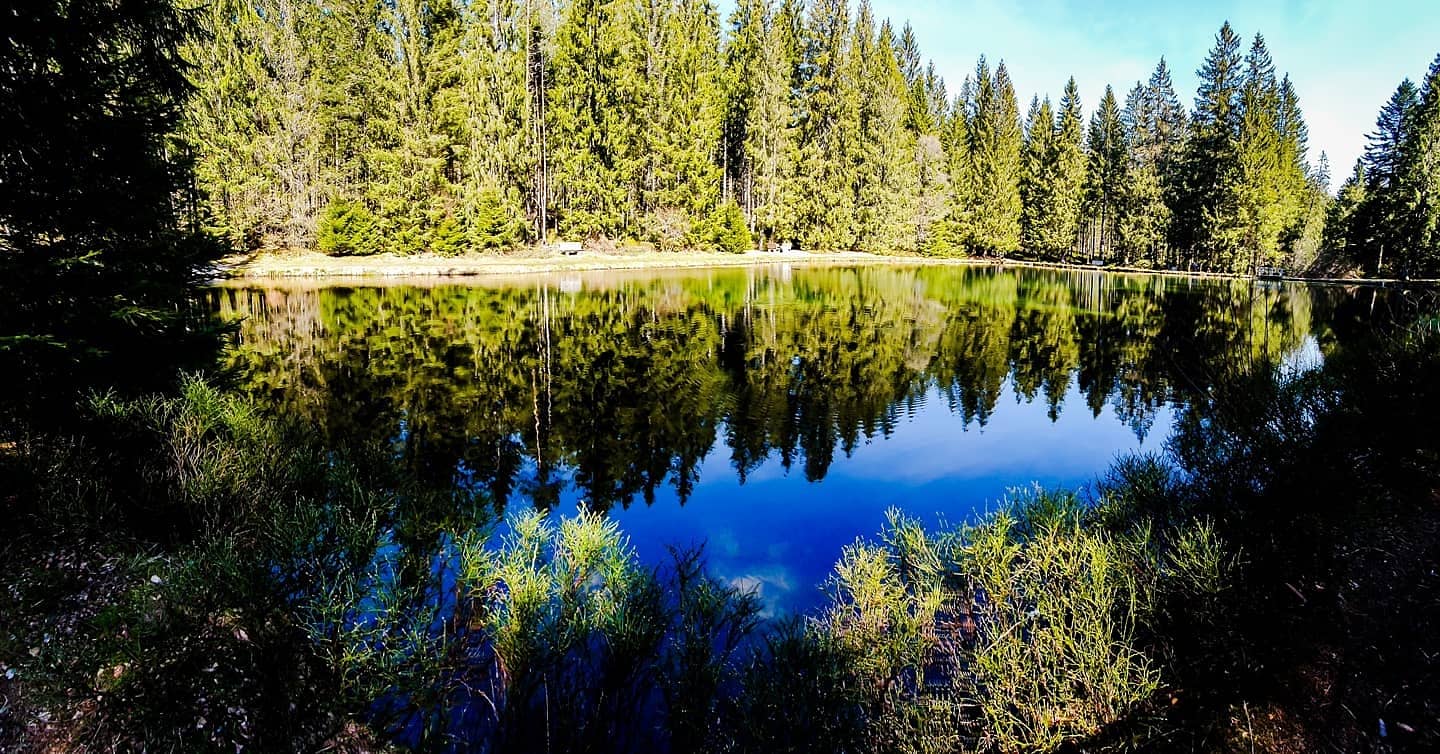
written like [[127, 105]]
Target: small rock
[[155, 580]]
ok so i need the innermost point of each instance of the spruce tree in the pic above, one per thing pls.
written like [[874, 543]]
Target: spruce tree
[[1205, 229], [591, 102], [1070, 171], [684, 129], [994, 141], [1144, 218], [1260, 215], [770, 137], [1419, 180], [887, 179], [744, 51], [497, 153], [1105, 176], [1375, 228], [825, 209], [1037, 178]]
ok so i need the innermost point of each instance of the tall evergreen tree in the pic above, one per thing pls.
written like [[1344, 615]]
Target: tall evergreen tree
[[1070, 167], [1144, 218], [1372, 229], [994, 140], [1419, 180], [1036, 177], [1260, 215], [1105, 177], [1207, 180], [770, 137], [497, 154], [888, 179], [825, 210], [592, 100], [685, 128], [95, 266], [744, 58]]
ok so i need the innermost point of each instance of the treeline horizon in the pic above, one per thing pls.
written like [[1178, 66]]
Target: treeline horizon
[[360, 126]]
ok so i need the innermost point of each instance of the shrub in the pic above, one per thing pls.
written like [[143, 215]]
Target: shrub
[[494, 224], [668, 227], [447, 239], [347, 228], [726, 230]]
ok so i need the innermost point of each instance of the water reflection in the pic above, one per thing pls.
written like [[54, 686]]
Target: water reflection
[[723, 398]]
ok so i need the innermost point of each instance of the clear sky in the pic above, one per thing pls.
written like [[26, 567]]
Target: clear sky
[[1345, 58]]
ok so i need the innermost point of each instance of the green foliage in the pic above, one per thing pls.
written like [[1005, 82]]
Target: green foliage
[[494, 225], [447, 239], [348, 228], [97, 253], [726, 229], [623, 119], [989, 206]]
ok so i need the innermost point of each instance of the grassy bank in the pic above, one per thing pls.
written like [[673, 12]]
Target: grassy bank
[[315, 265], [195, 575], [273, 264]]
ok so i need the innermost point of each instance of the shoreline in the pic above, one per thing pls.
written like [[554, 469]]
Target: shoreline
[[316, 266]]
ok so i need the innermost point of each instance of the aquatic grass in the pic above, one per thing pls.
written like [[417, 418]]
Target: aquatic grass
[[1054, 657]]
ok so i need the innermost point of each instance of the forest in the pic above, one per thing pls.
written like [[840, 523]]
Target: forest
[[209, 545], [357, 126]]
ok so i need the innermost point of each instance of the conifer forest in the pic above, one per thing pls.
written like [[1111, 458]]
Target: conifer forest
[[357, 126], [719, 377]]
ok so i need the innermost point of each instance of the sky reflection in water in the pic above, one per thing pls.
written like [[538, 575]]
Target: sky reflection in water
[[772, 413]]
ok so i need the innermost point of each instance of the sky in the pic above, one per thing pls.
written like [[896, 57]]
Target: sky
[[1344, 58]]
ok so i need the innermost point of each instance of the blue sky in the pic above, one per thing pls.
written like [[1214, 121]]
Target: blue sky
[[1345, 57]]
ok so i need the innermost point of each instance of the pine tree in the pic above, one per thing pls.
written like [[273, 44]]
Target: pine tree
[[1260, 215], [1070, 168], [919, 118], [1373, 229], [1205, 228], [1037, 176], [887, 176], [1166, 121], [497, 155], [994, 142], [255, 121], [1419, 180], [1105, 176], [684, 130], [592, 99], [770, 137], [1304, 191], [744, 56], [1144, 218], [825, 210], [1344, 239]]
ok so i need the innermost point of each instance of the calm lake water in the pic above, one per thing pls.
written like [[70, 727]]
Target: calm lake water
[[772, 413]]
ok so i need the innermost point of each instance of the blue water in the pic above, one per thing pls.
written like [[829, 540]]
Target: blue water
[[935, 390]]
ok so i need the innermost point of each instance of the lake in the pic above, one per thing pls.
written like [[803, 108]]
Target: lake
[[772, 413]]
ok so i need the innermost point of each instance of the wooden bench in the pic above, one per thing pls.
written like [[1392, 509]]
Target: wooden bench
[[568, 248]]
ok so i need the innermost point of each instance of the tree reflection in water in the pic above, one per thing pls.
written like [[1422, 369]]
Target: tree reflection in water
[[620, 388]]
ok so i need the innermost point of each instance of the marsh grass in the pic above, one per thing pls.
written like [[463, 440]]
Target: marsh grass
[[295, 587]]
